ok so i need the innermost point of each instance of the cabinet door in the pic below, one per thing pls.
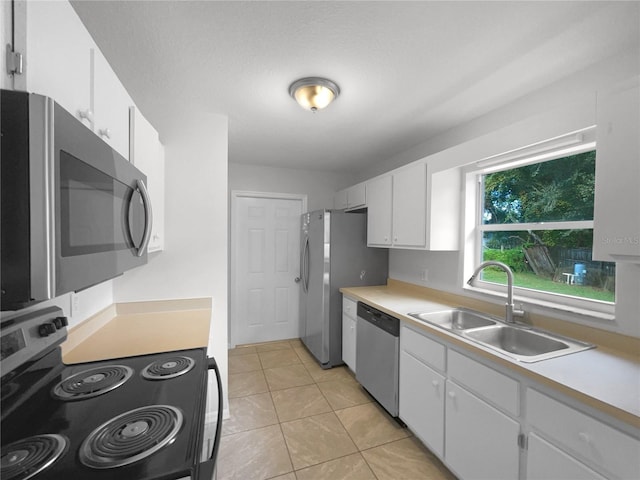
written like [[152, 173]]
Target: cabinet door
[[422, 401], [616, 233], [379, 193], [111, 106], [357, 196], [57, 61], [546, 462], [349, 342], [481, 442], [340, 200], [147, 154], [444, 196], [409, 206]]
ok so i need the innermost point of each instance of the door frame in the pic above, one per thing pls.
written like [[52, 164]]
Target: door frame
[[235, 195]]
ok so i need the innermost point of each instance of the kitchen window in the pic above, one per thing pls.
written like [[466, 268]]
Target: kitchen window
[[533, 210]]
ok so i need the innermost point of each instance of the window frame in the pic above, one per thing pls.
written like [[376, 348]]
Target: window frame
[[558, 147]]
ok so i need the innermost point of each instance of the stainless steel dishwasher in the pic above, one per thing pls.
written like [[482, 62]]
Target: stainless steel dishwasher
[[377, 350]]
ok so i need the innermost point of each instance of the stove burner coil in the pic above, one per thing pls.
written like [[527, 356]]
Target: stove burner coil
[[28, 457], [93, 382], [168, 367], [130, 437]]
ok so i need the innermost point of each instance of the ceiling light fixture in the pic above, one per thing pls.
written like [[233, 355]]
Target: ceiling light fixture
[[314, 93]]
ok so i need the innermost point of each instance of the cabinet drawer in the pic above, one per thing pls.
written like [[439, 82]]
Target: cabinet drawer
[[424, 349], [349, 307], [592, 440], [486, 382]]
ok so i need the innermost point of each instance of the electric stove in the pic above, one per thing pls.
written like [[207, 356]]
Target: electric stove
[[138, 417]]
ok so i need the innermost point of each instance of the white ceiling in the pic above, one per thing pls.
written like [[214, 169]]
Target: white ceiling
[[407, 70]]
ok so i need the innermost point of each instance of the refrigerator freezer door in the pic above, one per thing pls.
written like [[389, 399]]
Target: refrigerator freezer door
[[316, 328]]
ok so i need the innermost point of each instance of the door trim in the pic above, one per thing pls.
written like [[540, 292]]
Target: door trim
[[235, 195]]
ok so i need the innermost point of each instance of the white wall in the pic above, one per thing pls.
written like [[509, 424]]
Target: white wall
[[319, 187], [89, 302], [194, 261], [564, 92]]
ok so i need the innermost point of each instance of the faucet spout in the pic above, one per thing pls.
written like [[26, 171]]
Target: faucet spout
[[510, 309]]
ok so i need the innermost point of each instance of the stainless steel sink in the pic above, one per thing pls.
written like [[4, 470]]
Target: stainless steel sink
[[455, 319], [519, 342]]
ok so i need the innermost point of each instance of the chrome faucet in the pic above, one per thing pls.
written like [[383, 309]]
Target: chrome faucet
[[510, 310]]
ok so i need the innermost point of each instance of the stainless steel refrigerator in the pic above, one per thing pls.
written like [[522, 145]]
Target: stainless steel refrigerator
[[334, 254]]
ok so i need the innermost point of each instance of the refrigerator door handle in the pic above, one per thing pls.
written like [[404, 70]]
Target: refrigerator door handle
[[305, 266]]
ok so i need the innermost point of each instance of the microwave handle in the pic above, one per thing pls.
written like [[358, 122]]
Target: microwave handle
[[148, 217]]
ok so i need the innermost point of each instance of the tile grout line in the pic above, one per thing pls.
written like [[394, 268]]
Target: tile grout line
[[333, 410]]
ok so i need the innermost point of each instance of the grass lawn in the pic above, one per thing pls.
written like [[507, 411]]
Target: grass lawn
[[532, 281]]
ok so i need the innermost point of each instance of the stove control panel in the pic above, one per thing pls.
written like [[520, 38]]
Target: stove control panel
[[24, 336]]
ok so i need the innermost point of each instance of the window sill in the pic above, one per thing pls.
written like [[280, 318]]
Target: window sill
[[606, 314]]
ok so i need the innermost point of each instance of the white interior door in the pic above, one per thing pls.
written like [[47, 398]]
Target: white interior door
[[266, 263]]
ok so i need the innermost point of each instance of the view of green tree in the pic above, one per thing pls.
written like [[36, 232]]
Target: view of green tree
[[555, 259], [556, 190]]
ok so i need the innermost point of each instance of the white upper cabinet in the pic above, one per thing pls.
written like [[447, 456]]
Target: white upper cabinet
[[415, 209], [111, 106], [616, 235], [351, 198], [147, 154], [409, 206], [379, 192], [63, 62], [58, 56]]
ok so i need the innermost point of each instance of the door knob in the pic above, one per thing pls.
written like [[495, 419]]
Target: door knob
[[297, 279]]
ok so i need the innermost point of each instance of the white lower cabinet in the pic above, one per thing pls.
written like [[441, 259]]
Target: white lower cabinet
[[480, 441], [349, 308], [422, 401], [584, 438], [546, 462], [475, 417], [475, 439]]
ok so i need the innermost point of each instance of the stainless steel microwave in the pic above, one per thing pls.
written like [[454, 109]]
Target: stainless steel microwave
[[74, 211]]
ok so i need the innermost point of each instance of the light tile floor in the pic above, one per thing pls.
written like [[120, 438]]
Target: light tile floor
[[292, 420]]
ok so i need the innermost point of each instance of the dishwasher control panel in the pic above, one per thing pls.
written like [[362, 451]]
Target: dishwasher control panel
[[380, 319]]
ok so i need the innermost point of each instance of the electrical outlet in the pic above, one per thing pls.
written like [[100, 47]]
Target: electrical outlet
[[424, 275], [75, 304]]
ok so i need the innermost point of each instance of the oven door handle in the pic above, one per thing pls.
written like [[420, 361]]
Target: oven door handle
[[148, 215], [206, 468]]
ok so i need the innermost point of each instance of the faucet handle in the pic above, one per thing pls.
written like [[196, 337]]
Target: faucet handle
[[518, 312]]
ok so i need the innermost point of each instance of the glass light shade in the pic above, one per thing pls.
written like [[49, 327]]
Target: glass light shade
[[314, 93]]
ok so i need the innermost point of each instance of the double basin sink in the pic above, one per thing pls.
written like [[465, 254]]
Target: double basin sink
[[522, 343]]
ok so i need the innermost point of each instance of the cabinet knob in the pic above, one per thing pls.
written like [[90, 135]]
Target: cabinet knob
[[435, 383], [105, 133], [86, 115], [584, 437], [452, 394]]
